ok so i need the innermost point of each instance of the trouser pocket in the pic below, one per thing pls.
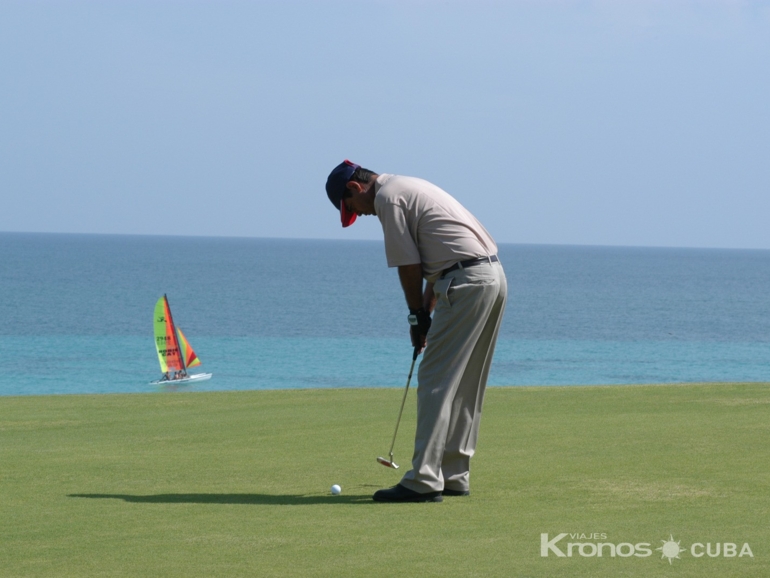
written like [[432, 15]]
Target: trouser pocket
[[442, 290]]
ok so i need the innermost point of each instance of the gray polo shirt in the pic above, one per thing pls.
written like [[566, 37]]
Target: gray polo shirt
[[424, 224]]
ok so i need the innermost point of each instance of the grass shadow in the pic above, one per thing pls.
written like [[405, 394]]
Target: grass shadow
[[245, 499]]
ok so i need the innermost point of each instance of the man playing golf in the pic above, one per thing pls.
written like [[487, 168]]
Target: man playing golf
[[429, 235]]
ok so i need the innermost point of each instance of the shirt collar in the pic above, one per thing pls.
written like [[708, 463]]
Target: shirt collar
[[381, 180]]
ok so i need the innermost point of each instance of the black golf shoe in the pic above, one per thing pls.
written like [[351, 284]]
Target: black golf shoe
[[446, 492], [400, 493]]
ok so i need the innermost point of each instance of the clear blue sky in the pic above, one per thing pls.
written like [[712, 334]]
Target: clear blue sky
[[611, 123]]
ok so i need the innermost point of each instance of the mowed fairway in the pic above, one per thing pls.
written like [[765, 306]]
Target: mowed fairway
[[237, 484]]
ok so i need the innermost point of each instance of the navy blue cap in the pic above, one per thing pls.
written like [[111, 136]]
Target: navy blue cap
[[335, 189]]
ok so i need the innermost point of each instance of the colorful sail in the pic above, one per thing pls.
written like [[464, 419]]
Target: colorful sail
[[188, 355], [166, 341]]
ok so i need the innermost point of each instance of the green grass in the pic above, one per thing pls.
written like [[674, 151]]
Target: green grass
[[237, 484]]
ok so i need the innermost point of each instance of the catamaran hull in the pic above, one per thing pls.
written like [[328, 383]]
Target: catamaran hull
[[189, 379]]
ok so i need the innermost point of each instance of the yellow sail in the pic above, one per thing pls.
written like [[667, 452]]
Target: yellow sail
[[166, 342]]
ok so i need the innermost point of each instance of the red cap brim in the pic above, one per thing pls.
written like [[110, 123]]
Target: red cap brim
[[346, 216]]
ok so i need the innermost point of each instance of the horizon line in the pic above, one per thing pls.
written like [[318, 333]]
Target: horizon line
[[521, 243]]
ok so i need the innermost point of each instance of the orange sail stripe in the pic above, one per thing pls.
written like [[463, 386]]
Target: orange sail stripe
[[174, 355]]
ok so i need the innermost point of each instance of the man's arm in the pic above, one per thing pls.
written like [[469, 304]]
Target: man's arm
[[411, 282], [429, 297]]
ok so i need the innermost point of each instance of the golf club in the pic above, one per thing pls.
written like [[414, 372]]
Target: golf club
[[390, 463]]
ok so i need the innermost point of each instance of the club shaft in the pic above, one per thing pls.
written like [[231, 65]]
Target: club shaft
[[401, 411]]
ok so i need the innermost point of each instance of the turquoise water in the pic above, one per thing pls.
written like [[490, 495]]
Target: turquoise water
[[76, 311], [282, 363]]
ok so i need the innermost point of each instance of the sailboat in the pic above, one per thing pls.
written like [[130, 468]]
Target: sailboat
[[174, 351]]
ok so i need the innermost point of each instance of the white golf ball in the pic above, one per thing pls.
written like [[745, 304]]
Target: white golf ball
[[336, 490]]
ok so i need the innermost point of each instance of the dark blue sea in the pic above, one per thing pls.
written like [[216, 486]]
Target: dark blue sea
[[76, 314]]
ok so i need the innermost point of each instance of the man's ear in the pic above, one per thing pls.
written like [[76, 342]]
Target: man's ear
[[354, 186]]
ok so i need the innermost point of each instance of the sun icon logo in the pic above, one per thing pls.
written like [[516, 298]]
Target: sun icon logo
[[670, 549]]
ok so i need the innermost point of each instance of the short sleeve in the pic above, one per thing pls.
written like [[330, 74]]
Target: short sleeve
[[400, 247]]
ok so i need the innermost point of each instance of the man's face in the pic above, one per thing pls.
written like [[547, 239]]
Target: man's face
[[358, 199]]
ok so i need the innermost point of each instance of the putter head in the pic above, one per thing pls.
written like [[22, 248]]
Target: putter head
[[387, 463]]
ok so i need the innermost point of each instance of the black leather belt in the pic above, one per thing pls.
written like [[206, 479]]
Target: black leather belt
[[470, 263]]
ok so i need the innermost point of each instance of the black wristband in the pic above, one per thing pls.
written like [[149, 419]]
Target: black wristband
[[420, 320]]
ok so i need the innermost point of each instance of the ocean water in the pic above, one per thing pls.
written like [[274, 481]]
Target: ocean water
[[76, 314]]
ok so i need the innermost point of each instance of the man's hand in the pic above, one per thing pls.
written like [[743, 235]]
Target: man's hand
[[420, 321]]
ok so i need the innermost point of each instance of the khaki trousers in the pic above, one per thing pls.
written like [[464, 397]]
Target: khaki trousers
[[453, 376]]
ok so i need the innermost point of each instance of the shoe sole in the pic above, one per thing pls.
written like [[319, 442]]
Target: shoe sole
[[456, 493], [411, 500]]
